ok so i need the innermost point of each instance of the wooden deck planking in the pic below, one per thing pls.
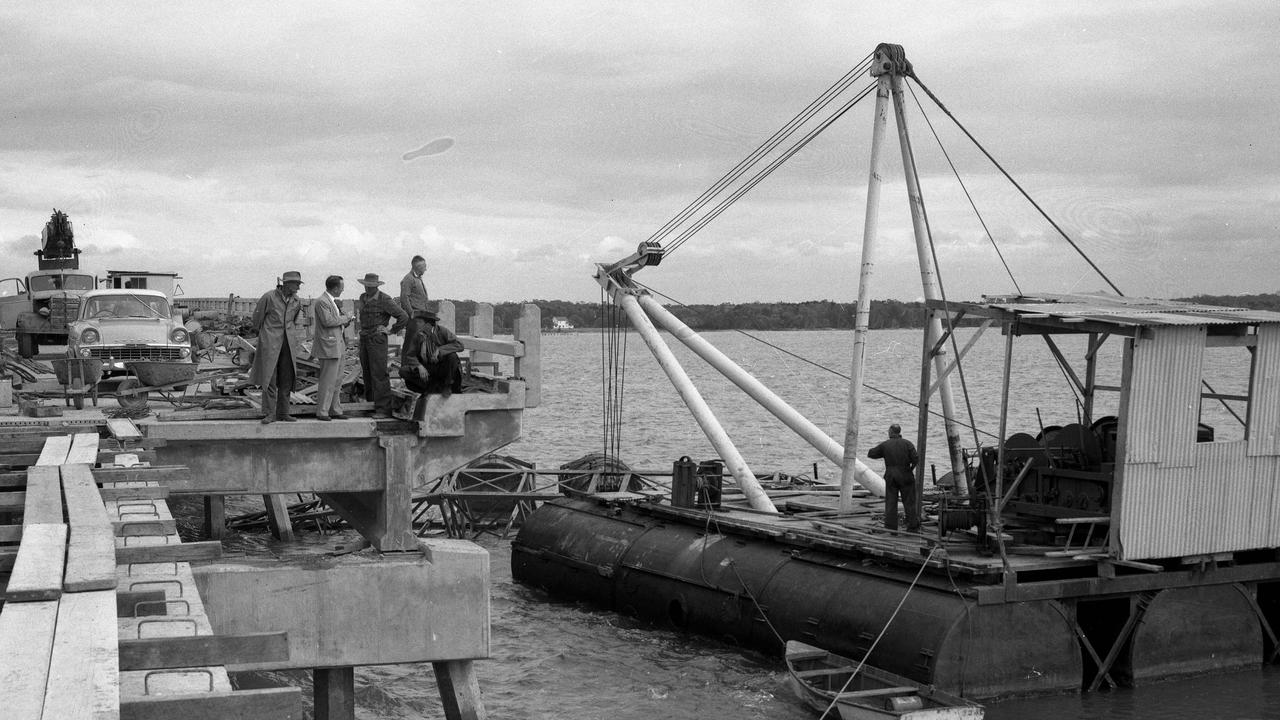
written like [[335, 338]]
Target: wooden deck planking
[[202, 650], [55, 450], [91, 558], [37, 571], [26, 643], [275, 703], [84, 671], [84, 450], [44, 496]]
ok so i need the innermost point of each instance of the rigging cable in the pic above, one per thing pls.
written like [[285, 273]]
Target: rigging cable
[[1009, 177], [761, 175], [764, 148], [967, 196]]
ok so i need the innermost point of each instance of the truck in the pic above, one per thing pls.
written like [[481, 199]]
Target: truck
[[39, 307]]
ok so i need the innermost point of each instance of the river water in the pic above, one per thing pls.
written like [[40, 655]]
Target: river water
[[552, 659]]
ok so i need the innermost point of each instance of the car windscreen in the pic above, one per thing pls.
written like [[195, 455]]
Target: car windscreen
[[125, 306], [41, 283]]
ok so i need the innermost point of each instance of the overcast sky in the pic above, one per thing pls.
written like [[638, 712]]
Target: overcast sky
[[517, 144]]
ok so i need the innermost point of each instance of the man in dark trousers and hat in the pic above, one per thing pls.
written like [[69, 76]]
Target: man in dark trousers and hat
[[900, 460], [429, 361], [276, 318], [375, 308]]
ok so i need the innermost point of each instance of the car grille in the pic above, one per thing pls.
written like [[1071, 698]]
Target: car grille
[[63, 309], [137, 353]]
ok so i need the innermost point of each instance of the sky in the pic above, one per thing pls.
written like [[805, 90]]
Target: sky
[[517, 144]]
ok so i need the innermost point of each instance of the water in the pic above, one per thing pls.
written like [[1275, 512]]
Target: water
[[560, 660]]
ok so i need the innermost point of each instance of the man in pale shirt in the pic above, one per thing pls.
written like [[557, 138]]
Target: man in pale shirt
[[328, 346]]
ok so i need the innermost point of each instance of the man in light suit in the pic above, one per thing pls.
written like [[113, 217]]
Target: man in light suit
[[328, 346]]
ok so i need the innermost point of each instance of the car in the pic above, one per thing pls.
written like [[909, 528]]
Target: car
[[121, 325]]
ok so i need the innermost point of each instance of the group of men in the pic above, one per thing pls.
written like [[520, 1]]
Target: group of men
[[428, 357]]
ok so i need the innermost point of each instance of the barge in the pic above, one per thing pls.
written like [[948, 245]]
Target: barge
[[1109, 550]]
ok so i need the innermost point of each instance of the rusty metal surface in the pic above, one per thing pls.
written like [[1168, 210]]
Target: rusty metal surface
[[1141, 312]]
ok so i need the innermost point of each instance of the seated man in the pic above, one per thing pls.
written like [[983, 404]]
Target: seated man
[[429, 361]]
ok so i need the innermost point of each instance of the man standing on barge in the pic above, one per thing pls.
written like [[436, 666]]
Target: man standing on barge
[[375, 309], [413, 296], [900, 460], [276, 320]]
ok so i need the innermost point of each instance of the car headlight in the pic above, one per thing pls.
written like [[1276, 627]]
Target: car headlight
[[84, 352], [89, 336], [185, 352], [179, 335]]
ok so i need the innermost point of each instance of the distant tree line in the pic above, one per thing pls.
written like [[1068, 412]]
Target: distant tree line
[[808, 315]]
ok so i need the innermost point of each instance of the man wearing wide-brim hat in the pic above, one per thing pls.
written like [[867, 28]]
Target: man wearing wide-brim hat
[[276, 318], [429, 361], [375, 308]]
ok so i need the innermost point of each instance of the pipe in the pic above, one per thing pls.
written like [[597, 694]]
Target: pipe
[[849, 465], [697, 406], [928, 279], [823, 443]]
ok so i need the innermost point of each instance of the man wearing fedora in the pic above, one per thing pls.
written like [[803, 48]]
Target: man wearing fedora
[[276, 318], [375, 308], [429, 362]]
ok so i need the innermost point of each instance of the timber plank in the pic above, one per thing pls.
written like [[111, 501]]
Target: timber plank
[[44, 496], [29, 444], [91, 561], [176, 552], [84, 673], [275, 703], [7, 556], [201, 650], [37, 571], [26, 643], [10, 533], [13, 501], [13, 479], [155, 473], [84, 449], [55, 450]]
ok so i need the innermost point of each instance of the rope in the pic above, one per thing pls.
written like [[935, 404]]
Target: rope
[[883, 630], [758, 177], [1009, 177], [967, 196], [764, 148]]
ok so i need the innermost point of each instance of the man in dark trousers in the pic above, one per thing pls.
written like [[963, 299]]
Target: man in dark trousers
[[277, 320], [429, 361], [900, 460], [375, 308]]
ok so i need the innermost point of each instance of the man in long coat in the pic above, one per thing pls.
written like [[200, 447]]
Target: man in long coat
[[276, 318], [328, 346]]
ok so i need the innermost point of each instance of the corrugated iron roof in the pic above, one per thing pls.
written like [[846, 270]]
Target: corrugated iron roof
[[1129, 311]]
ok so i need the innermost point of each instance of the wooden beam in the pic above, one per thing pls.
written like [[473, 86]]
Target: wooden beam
[[26, 642], [84, 450], [113, 492], [84, 675], [274, 703], [334, 693], [123, 429], [155, 473], [177, 552], [10, 533], [202, 650], [44, 496], [15, 479], [37, 571], [55, 450], [13, 501], [91, 559]]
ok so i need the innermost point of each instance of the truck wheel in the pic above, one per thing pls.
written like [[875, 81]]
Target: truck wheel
[[26, 345]]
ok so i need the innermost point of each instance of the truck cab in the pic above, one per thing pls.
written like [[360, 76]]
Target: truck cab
[[39, 306]]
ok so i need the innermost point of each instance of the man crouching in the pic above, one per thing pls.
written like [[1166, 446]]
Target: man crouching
[[429, 361]]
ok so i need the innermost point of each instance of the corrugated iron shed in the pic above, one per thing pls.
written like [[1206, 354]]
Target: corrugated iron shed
[[1124, 312]]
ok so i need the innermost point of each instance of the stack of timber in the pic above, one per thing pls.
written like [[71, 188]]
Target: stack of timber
[[101, 615]]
